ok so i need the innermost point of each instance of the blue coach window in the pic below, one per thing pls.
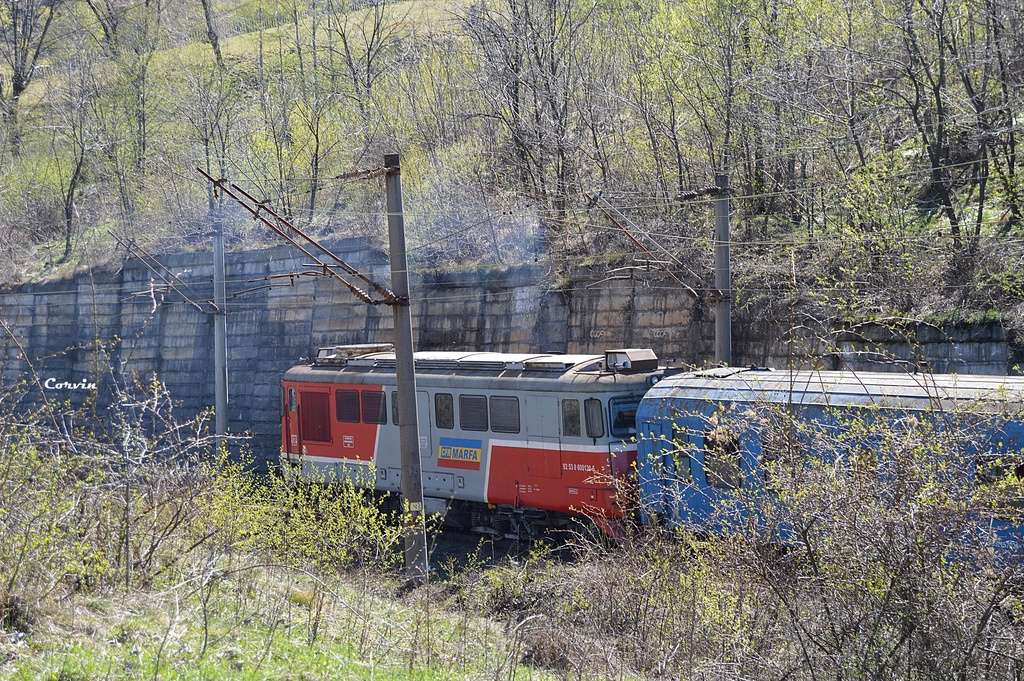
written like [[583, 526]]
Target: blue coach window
[[623, 413], [722, 458]]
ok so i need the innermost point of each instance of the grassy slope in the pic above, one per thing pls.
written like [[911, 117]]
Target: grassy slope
[[260, 625], [169, 72], [171, 64]]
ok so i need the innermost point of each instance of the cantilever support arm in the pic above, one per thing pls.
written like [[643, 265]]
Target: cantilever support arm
[[328, 269]]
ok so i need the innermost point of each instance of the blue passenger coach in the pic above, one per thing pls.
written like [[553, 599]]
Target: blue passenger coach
[[700, 443]]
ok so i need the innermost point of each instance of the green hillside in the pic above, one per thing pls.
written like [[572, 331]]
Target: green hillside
[[872, 147]]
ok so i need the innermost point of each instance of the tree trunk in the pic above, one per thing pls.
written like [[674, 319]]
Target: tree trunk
[[69, 205], [211, 33], [13, 122]]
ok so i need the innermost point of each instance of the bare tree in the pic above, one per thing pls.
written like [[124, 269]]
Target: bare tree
[[24, 25], [110, 15], [270, 153], [123, 112], [211, 106], [530, 66], [73, 138], [317, 101], [368, 41]]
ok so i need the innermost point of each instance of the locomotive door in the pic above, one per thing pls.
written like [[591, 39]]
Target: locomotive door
[[544, 453], [423, 424], [289, 429], [436, 483]]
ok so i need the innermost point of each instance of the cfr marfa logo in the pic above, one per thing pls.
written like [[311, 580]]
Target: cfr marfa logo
[[459, 453]]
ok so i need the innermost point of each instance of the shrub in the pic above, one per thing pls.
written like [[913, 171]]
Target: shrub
[[856, 562]]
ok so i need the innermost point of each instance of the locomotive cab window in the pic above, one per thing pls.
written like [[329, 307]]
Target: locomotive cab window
[[473, 412], [292, 402], [394, 407], [594, 412], [444, 411], [623, 416], [314, 417], [346, 406], [374, 407], [571, 418], [505, 414], [722, 461]]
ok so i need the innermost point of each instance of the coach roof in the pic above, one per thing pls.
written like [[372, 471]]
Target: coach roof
[[843, 388]]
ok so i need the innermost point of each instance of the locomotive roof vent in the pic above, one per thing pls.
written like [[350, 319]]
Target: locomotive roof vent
[[553, 364], [340, 354], [631, 360]]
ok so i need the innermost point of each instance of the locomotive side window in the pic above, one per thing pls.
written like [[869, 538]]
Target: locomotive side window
[[346, 406], [473, 412], [374, 407], [722, 458], [444, 411], [293, 404], [623, 412], [594, 412], [314, 417], [394, 407], [505, 414], [571, 418]]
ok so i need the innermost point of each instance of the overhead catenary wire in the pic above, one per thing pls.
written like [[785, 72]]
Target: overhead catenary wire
[[158, 270], [511, 292], [816, 240], [661, 202], [811, 243], [256, 211], [764, 194], [632, 238], [264, 206]]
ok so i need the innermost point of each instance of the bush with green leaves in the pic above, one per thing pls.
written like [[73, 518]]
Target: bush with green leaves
[[319, 520], [153, 503], [868, 554]]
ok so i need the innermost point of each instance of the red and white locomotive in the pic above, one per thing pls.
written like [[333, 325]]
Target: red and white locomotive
[[508, 442]]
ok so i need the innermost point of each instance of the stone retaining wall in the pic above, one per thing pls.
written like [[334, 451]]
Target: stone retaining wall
[[104, 324]]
